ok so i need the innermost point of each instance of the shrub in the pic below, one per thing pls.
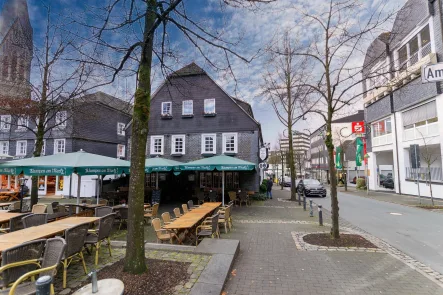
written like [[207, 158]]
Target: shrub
[[361, 183], [259, 197], [263, 188], [265, 181]]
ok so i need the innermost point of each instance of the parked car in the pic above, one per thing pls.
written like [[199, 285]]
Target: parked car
[[354, 180], [311, 187], [388, 183], [285, 181]]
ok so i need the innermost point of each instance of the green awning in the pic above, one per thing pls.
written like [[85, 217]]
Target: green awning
[[81, 162], [220, 163], [161, 165]]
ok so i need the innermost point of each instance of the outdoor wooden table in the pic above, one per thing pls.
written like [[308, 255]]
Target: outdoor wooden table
[[42, 231], [5, 216], [9, 196], [119, 206], [187, 222], [7, 204]]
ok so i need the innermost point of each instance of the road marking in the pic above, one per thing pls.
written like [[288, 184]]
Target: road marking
[[397, 214]]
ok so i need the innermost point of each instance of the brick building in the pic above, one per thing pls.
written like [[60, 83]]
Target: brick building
[[400, 108], [192, 117]]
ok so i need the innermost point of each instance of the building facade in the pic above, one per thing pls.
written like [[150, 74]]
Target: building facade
[[301, 146], [192, 117], [94, 123], [342, 137], [400, 108]]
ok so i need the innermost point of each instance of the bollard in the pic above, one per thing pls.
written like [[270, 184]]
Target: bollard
[[320, 215], [304, 202], [93, 276], [311, 209], [299, 198], [43, 285]]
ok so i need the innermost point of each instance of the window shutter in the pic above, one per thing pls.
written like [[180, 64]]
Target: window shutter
[[419, 114]]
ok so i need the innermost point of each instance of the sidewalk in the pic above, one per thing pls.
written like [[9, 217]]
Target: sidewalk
[[407, 200], [271, 263]]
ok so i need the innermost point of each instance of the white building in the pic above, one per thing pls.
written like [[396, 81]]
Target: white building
[[301, 145]]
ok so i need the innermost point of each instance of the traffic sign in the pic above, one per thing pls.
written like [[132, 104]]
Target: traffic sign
[[263, 165], [358, 127]]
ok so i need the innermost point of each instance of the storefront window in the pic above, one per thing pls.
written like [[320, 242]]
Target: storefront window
[[41, 183], [3, 181], [60, 183]]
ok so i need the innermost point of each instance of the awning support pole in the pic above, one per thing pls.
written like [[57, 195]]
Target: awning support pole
[[223, 188], [79, 183], [156, 180]]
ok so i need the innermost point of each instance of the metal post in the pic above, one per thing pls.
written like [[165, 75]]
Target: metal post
[[304, 202], [43, 285], [93, 275], [299, 198], [311, 209], [320, 215], [79, 186], [21, 199]]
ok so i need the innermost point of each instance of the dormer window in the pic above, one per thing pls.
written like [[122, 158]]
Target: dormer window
[[167, 109], [418, 47]]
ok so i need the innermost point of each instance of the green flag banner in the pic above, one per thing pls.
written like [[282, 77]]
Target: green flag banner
[[338, 152], [358, 153]]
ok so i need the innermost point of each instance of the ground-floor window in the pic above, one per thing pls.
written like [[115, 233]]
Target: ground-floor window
[[150, 180], [214, 179]]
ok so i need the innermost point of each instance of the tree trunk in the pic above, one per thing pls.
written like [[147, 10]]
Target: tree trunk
[[38, 150], [135, 246], [430, 185], [335, 231]]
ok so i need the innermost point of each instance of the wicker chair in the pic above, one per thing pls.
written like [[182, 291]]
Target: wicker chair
[[191, 205], [151, 213], [243, 198], [167, 218], [163, 234], [122, 215], [35, 220], [200, 197], [15, 223], [39, 208], [14, 206], [208, 228], [103, 202], [225, 216], [212, 196], [25, 261], [103, 211], [75, 240], [185, 208], [177, 212], [103, 232], [233, 196]]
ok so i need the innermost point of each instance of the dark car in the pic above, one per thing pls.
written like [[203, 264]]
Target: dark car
[[388, 183], [311, 187]]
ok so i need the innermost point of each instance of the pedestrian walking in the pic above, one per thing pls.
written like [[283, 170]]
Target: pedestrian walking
[[269, 188]]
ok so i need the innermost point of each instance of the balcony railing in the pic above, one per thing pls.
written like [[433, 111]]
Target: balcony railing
[[382, 140], [423, 174], [408, 70], [420, 132]]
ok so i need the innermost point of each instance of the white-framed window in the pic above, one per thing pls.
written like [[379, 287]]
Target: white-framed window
[[121, 128], [209, 143], [4, 147], [5, 122], [121, 149], [21, 147], [230, 143], [381, 128], [59, 146], [178, 144], [209, 106], [60, 119], [415, 49], [167, 108], [43, 152], [188, 108], [22, 122], [157, 145]]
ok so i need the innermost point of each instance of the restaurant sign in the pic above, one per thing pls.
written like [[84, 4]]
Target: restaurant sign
[[8, 171]]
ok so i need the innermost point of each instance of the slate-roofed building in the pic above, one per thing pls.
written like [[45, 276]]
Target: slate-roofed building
[[192, 117], [400, 108]]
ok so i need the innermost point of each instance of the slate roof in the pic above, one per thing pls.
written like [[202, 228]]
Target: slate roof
[[244, 105], [12, 11], [360, 116], [108, 100], [190, 70]]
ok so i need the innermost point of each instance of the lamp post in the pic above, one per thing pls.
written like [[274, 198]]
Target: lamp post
[[366, 157], [22, 182]]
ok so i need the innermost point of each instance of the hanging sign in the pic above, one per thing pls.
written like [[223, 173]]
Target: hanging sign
[[358, 127], [432, 73], [263, 153]]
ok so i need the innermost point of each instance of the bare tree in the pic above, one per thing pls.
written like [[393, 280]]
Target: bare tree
[[144, 27], [53, 87], [429, 156], [337, 33], [283, 86]]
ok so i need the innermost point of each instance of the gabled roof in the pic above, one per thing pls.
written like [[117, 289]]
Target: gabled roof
[[244, 105], [109, 100], [191, 69], [360, 116], [11, 12]]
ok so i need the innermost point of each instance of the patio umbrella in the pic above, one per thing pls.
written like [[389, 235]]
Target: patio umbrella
[[220, 163], [80, 163], [158, 164]]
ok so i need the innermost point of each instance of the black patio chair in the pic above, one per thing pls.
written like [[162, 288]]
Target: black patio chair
[[208, 228], [15, 223], [35, 220], [103, 232]]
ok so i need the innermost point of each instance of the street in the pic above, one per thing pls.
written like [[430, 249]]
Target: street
[[413, 231]]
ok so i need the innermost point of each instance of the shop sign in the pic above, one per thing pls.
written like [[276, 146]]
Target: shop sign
[[432, 73], [358, 127]]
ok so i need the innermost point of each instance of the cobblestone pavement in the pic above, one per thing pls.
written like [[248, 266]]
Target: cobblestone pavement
[[269, 262], [76, 276]]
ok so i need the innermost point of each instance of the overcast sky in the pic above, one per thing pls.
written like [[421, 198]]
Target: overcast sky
[[253, 29]]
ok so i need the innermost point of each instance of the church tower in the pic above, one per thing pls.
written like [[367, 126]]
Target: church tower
[[16, 49]]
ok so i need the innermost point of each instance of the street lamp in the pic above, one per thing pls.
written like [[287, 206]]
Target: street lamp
[[366, 157], [22, 182]]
